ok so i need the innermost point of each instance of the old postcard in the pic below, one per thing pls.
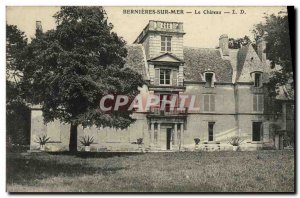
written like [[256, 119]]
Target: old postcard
[[150, 99]]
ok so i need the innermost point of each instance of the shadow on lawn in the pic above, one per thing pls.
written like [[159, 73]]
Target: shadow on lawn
[[96, 154], [21, 170]]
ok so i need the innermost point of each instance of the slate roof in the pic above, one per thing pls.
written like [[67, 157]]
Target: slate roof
[[241, 56], [199, 60], [136, 59]]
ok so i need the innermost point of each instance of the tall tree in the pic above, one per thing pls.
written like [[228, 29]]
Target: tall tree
[[239, 42], [69, 69], [16, 41], [278, 50], [276, 33], [17, 113]]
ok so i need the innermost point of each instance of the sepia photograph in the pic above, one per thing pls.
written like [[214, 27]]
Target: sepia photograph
[[146, 99]]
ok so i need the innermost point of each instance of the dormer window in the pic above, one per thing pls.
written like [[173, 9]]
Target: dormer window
[[209, 79], [257, 79], [166, 43]]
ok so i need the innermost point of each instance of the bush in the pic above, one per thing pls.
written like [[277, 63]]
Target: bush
[[197, 141], [235, 141], [42, 140], [139, 141], [87, 141]]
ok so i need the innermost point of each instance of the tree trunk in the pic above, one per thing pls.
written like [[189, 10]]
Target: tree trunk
[[73, 138]]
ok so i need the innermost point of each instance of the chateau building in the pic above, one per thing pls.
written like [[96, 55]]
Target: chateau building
[[228, 85]]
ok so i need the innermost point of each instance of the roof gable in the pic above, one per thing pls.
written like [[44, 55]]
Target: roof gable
[[166, 57], [247, 62]]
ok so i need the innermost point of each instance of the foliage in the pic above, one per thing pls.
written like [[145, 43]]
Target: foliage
[[139, 141], [235, 140], [17, 112], [197, 141], [239, 42], [288, 140], [275, 31], [18, 124], [42, 140], [273, 129], [68, 70], [16, 41], [87, 141]]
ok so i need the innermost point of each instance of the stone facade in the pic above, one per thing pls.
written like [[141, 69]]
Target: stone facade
[[232, 104]]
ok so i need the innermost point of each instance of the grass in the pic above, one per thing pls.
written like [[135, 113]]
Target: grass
[[263, 171]]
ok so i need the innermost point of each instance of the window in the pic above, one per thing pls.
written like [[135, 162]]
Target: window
[[165, 77], [166, 43], [258, 103], [209, 80], [209, 102], [257, 80], [257, 131], [211, 131]]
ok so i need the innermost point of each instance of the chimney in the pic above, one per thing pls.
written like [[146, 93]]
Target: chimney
[[261, 48], [223, 44], [38, 28]]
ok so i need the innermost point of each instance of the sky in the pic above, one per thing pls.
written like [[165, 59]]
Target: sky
[[202, 30]]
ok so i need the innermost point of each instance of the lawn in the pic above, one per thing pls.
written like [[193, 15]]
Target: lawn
[[263, 171]]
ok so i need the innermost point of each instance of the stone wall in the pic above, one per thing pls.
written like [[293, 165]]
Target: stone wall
[[106, 139]]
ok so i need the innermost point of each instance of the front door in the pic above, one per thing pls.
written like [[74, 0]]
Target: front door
[[169, 135]]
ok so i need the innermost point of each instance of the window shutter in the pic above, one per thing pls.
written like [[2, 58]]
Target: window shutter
[[174, 75], [163, 44], [260, 103], [254, 102], [168, 44], [156, 77], [206, 102], [261, 131], [212, 103]]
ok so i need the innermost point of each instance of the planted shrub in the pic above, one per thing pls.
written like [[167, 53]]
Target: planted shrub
[[139, 141], [197, 141], [87, 141], [235, 141], [42, 140]]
